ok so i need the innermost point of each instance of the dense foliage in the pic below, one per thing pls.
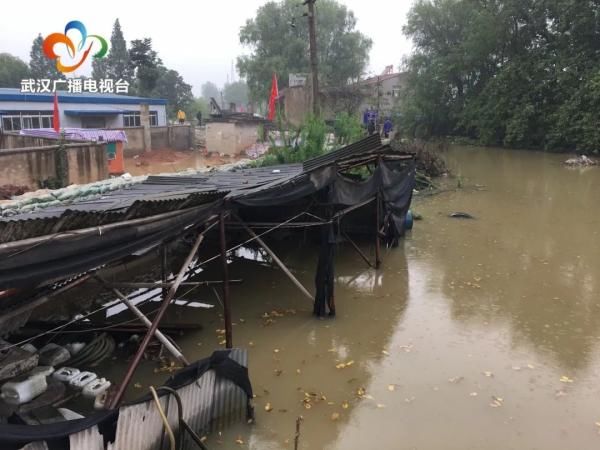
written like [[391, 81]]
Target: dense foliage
[[278, 38], [518, 73]]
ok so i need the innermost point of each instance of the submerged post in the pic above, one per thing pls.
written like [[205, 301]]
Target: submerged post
[[226, 305]]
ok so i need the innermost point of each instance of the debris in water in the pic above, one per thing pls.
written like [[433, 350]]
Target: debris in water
[[460, 215], [560, 393], [278, 372], [298, 371], [488, 374], [345, 404], [137, 385], [276, 350], [473, 394], [385, 352], [391, 387], [250, 344], [268, 407], [380, 405], [409, 399], [530, 366], [517, 368], [344, 365], [566, 379], [360, 391], [496, 401], [239, 441], [335, 416], [456, 380]]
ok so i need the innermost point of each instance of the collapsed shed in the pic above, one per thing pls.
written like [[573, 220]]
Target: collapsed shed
[[48, 251]]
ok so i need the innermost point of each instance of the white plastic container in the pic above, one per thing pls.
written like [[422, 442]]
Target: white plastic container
[[80, 380], [26, 387], [65, 374], [96, 388]]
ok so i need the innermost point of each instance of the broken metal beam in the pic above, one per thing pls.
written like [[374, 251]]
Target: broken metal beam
[[115, 400], [275, 258], [140, 315], [143, 285]]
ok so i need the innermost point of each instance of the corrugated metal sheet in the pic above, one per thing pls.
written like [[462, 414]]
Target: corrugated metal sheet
[[365, 145]]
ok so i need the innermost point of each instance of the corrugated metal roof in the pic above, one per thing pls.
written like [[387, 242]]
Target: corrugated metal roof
[[365, 145], [160, 194]]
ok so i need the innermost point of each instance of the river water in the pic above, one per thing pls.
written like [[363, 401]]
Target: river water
[[475, 334]]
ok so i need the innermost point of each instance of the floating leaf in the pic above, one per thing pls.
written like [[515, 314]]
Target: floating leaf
[[335, 416], [268, 407]]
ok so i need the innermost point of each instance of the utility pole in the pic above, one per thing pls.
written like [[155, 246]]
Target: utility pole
[[313, 54]]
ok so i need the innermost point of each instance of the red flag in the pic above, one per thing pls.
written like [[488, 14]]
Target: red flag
[[274, 95], [55, 115]]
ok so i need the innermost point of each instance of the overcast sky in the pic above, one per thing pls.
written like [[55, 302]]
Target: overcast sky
[[199, 39]]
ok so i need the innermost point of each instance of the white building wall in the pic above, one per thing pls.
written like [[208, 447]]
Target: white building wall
[[112, 121]]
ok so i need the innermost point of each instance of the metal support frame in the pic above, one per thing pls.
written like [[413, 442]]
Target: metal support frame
[[358, 250], [115, 399], [140, 315], [226, 304], [275, 258]]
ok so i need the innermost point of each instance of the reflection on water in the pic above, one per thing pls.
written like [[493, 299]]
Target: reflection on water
[[458, 342]]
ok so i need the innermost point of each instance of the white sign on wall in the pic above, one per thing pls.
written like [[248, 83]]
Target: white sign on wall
[[297, 79]]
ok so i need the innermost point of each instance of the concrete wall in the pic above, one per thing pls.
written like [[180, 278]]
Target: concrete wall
[[29, 166], [176, 137], [230, 138], [297, 104]]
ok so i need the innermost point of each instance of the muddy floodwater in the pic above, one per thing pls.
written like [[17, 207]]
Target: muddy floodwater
[[475, 334]]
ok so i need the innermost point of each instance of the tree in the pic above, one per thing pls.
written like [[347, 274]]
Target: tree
[[117, 64], [145, 65], [236, 92], [278, 39], [210, 89], [12, 71], [518, 73], [170, 86], [40, 66], [199, 104]]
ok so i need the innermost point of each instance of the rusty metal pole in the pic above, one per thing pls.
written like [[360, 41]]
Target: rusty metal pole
[[115, 400], [226, 305], [377, 238]]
